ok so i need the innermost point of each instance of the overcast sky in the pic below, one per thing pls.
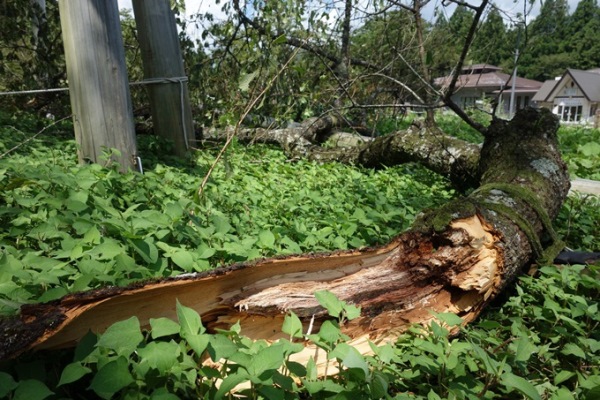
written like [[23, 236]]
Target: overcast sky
[[511, 7]]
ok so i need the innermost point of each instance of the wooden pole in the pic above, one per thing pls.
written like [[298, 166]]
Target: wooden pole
[[98, 84], [163, 65]]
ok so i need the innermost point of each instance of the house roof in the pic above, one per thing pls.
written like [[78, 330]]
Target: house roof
[[545, 90], [491, 81], [475, 67], [588, 82]]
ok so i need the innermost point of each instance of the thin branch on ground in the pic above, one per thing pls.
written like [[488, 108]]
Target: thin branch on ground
[[32, 137], [249, 108]]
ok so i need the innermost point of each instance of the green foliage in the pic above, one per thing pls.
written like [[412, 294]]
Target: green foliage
[[31, 55], [68, 228], [541, 343], [581, 149], [577, 222]]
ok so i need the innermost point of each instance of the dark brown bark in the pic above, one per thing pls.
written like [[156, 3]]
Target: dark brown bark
[[454, 259]]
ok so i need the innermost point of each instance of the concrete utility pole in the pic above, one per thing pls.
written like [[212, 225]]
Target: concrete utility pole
[[512, 110], [163, 69], [98, 84]]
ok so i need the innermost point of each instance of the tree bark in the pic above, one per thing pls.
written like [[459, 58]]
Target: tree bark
[[427, 145], [453, 259]]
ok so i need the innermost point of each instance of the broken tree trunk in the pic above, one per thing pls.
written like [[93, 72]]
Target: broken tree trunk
[[448, 156], [454, 259]]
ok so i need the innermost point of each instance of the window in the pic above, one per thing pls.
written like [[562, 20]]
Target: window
[[469, 101], [570, 113]]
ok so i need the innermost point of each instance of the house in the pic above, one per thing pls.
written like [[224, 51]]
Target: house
[[574, 97], [480, 81]]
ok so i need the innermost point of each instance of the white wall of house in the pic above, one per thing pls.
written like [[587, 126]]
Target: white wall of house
[[570, 103]]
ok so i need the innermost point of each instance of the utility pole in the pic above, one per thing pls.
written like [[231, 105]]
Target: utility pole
[[512, 110], [98, 84], [164, 73]]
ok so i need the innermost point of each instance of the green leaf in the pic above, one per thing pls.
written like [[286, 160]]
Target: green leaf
[[123, 337], [280, 40], [183, 259], [163, 327], [111, 378], [525, 348], [433, 395], [351, 311], [330, 302], [246, 79], [163, 394], [590, 149], [160, 355], [198, 343], [379, 385], [573, 349], [146, 249], [450, 319], [31, 389], [86, 346], [350, 358], [73, 372], [513, 381], [189, 320], [230, 382], [7, 384], [562, 394], [330, 332], [206, 253], [269, 358], [220, 347], [563, 376], [292, 325], [266, 238]]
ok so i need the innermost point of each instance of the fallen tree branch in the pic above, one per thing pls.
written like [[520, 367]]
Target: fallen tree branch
[[448, 156], [454, 259]]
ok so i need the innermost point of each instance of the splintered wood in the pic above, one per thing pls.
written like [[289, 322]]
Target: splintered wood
[[395, 286], [455, 272]]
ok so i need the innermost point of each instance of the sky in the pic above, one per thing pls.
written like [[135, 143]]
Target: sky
[[511, 7]]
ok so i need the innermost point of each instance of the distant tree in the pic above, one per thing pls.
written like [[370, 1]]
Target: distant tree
[[491, 45], [31, 54], [583, 35], [546, 41], [460, 22]]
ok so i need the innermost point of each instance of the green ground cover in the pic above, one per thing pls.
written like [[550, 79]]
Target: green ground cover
[[67, 228]]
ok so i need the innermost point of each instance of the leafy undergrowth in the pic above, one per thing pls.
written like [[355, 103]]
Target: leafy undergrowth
[[581, 149], [66, 228], [543, 342]]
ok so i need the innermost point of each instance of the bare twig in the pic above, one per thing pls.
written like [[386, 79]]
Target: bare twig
[[32, 137], [249, 108], [447, 98]]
